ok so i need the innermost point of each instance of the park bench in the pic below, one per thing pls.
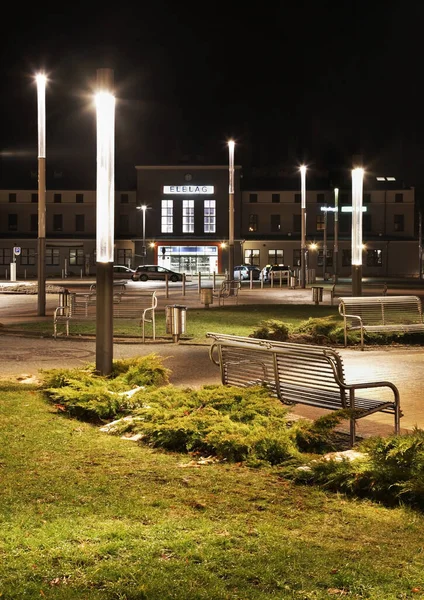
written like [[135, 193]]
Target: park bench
[[227, 290], [381, 314], [301, 374], [140, 306], [368, 289]]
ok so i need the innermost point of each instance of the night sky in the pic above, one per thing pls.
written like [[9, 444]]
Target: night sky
[[314, 82]]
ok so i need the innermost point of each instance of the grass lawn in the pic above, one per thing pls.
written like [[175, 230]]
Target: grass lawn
[[85, 515], [237, 320]]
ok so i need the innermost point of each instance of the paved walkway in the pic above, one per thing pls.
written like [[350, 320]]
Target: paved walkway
[[190, 364]]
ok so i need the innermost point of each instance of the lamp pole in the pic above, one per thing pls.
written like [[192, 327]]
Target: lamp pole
[[324, 249], [41, 250], [357, 193], [231, 145], [143, 208], [336, 235], [105, 216], [303, 227]]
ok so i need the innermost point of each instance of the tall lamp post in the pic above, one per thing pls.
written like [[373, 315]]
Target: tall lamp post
[[303, 226], [231, 145], [143, 208], [105, 216], [41, 250], [336, 235], [357, 193]]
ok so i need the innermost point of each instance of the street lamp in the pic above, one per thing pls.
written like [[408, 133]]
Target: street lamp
[[143, 207], [303, 226], [231, 145], [41, 80], [357, 192], [105, 215], [336, 235]]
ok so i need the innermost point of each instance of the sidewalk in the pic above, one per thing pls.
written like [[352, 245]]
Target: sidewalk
[[190, 364]]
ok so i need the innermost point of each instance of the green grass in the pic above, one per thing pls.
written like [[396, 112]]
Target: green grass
[[237, 320], [85, 515]]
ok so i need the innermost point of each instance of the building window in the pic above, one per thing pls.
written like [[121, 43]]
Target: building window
[[253, 223], [167, 216], [124, 199], [124, 223], [79, 222], [188, 216], [209, 216], [297, 257], [275, 223], [275, 256], [124, 257], [52, 257], [57, 198], [345, 199], [5, 256], [296, 223], [329, 259], [253, 198], [252, 257], [79, 198], [275, 198], [321, 198], [320, 223], [34, 198], [76, 256], [298, 198], [27, 256], [374, 258], [345, 222], [366, 199], [33, 222], [12, 197], [346, 258], [399, 222], [57, 222], [398, 197], [12, 222]]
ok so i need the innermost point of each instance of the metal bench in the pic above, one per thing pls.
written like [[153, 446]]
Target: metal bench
[[228, 289], [303, 374], [80, 306], [381, 314], [339, 289]]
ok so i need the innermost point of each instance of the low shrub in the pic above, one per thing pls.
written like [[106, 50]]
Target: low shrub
[[272, 329]]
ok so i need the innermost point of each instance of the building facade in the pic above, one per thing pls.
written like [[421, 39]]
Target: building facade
[[185, 224]]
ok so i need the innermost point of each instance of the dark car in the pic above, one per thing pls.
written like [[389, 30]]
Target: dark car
[[155, 272], [274, 272], [122, 272]]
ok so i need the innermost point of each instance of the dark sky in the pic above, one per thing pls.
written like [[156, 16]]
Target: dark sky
[[311, 81]]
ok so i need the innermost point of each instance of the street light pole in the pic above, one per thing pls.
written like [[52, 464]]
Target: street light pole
[[41, 250], [303, 227], [231, 145], [324, 249], [143, 208], [336, 235], [105, 217], [357, 192]]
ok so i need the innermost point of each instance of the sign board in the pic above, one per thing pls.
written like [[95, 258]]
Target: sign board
[[17, 250], [188, 189]]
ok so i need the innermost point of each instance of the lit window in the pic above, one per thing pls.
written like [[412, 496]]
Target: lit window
[[188, 216], [167, 216], [209, 216]]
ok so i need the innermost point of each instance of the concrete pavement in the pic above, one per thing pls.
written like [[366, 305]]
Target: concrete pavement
[[190, 364]]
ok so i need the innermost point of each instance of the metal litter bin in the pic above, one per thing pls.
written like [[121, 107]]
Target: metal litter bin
[[206, 296], [63, 297], [317, 294], [175, 319], [292, 282]]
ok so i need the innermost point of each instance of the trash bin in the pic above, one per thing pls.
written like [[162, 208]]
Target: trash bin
[[175, 319], [63, 297], [206, 296], [317, 294], [292, 282], [310, 276]]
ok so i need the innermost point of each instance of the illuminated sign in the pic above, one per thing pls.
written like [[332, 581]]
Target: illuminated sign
[[349, 209], [188, 189]]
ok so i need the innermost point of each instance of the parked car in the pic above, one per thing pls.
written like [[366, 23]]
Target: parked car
[[241, 272], [267, 272], [122, 272], [145, 272]]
